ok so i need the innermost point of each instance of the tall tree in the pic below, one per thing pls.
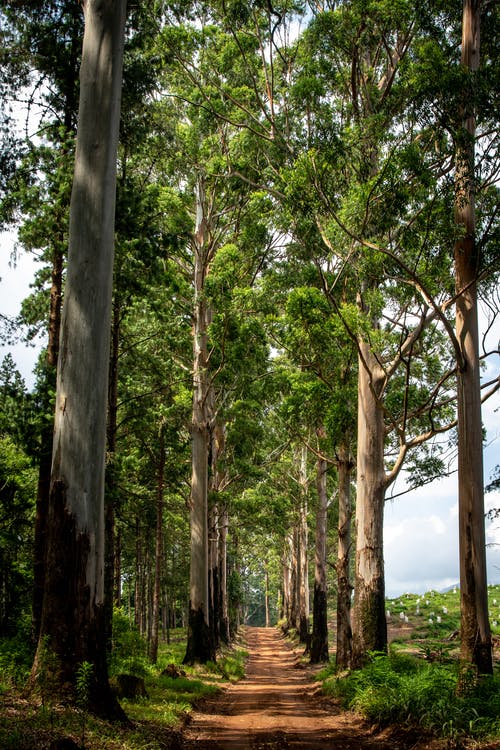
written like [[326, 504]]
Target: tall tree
[[72, 625], [200, 646], [319, 636], [476, 646]]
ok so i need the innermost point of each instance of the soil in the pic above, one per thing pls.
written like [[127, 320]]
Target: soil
[[278, 706]]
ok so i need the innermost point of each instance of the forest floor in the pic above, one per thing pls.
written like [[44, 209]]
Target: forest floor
[[278, 706]]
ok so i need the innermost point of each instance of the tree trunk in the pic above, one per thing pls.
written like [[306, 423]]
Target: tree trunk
[[73, 616], [160, 486], [368, 617], [54, 329], [110, 481], [266, 593], [199, 644], [303, 542], [319, 640], [138, 577], [294, 582], [344, 587], [476, 646], [224, 626], [117, 589], [287, 582], [213, 574]]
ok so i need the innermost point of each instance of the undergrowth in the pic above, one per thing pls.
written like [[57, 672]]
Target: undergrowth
[[400, 689], [171, 691]]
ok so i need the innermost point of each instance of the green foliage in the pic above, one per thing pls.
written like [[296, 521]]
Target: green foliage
[[83, 684], [16, 656], [426, 687], [17, 492], [399, 689], [129, 649]]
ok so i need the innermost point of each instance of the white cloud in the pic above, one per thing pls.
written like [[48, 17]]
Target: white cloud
[[421, 540]]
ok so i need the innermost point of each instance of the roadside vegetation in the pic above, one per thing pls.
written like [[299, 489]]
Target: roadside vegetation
[[165, 694], [418, 684], [421, 681]]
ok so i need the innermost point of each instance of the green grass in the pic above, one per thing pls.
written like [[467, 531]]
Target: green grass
[[400, 689], [419, 683], [27, 725]]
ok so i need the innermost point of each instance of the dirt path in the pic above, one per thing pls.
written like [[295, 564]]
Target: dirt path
[[277, 707]]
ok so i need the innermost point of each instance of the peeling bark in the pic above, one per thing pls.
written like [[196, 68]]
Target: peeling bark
[[368, 615]]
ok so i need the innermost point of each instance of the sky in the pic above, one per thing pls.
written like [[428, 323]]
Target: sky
[[420, 528]]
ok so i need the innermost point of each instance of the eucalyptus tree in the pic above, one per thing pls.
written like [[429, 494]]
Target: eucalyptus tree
[[366, 188], [476, 647], [227, 238], [73, 603]]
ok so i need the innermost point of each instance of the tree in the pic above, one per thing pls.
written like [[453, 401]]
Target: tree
[[476, 646], [200, 646], [319, 636], [346, 190], [73, 617]]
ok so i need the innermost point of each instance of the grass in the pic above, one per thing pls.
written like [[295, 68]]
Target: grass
[[29, 725], [401, 689], [420, 682]]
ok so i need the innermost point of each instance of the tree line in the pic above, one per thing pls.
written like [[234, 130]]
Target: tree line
[[264, 231]]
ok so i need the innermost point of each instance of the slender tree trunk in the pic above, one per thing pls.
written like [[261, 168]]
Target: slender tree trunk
[[73, 616], [294, 582], [303, 589], [117, 589], [344, 587], [213, 573], [368, 617], [199, 644], [266, 593], [319, 641], [219, 563], [224, 627], [303, 563], [476, 646], [287, 582], [110, 480], [160, 488], [215, 478], [138, 576]]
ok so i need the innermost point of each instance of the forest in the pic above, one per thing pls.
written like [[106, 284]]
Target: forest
[[263, 234]]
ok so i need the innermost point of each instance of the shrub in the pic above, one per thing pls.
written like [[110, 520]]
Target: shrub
[[397, 688], [16, 659], [129, 648]]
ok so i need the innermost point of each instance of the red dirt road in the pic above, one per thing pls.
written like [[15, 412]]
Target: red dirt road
[[277, 707]]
